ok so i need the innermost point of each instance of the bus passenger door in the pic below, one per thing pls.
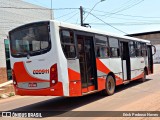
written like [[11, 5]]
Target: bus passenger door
[[150, 59], [125, 60], [87, 62]]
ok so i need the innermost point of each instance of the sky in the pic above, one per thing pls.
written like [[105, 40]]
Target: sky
[[114, 16]]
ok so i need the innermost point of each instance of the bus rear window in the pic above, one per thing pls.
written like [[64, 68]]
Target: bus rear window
[[31, 39]]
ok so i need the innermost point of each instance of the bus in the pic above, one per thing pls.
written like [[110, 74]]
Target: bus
[[52, 58]]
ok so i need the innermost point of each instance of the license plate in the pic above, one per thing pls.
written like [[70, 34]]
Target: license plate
[[32, 84]]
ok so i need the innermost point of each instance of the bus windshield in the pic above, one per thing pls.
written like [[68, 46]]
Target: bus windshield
[[31, 39]]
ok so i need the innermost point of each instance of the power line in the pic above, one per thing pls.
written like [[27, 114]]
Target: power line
[[71, 17], [125, 5], [92, 9], [64, 8], [136, 19], [108, 23], [24, 8], [125, 8], [37, 8], [65, 15], [125, 24], [131, 19], [106, 13], [132, 16], [77, 21]]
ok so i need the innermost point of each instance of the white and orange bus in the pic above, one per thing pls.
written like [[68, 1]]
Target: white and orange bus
[[52, 58]]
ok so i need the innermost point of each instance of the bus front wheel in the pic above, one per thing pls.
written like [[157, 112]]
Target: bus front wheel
[[110, 86]]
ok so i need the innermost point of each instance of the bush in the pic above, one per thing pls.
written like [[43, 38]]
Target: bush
[[11, 94]]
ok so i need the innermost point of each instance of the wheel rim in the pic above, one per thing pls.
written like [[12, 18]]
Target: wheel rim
[[111, 84]]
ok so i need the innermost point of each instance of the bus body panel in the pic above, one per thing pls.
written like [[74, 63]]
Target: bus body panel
[[137, 67], [33, 73], [61, 59], [109, 65], [74, 78], [37, 68]]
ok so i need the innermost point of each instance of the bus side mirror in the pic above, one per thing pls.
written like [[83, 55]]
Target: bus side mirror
[[154, 50]]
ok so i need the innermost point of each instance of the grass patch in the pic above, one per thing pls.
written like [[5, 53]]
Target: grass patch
[[11, 94]]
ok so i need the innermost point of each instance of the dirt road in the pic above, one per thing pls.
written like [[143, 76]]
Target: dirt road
[[136, 96]]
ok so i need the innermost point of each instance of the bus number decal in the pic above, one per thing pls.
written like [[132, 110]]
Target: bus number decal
[[41, 71]]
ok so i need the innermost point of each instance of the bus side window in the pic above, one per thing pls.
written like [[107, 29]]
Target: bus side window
[[114, 47], [138, 49], [102, 49], [144, 49], [132, 48], [68, 44]]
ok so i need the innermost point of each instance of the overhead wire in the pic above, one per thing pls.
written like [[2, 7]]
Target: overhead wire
[[128, 7], [71, 17], [125, 24], [77, 20], [120, 10], [108, 14], [139, 20], [126, 4], [108, 24], [37, 8], [65, 15], [126, 15], [129, 19]]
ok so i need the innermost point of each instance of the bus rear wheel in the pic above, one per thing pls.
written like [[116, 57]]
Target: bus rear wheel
[[110, 86]]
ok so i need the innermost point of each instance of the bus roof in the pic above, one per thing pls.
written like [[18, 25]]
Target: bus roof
[[86, 29]]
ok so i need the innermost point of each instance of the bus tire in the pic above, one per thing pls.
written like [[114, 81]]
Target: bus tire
[[143, 79], [110, 86]]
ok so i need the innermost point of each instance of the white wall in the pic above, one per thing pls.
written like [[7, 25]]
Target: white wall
[[156, 57], [11, 18]]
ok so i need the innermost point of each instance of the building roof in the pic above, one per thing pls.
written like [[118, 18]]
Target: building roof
[[143, 33]]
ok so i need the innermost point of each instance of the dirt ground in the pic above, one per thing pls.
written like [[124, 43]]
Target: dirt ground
[[135, 96]]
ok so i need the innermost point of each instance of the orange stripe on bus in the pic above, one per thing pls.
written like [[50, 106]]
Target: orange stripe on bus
[[101, 83], [91, 88], [73, 75], [84, 90], [87, 89], [119, 81], [101, 67]]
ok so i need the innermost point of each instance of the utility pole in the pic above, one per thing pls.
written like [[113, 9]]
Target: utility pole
[[81, 15], [51, 9]]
